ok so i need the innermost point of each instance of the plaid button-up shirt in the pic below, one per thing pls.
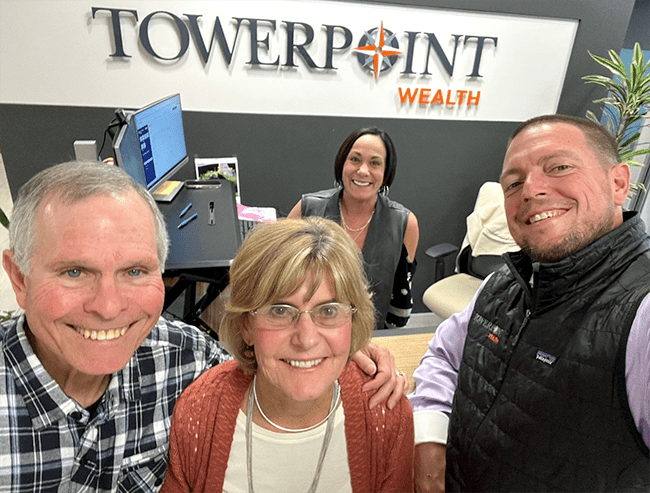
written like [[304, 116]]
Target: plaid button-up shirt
[[49, 443]]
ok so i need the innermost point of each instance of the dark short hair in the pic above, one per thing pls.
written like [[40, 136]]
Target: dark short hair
[[597, 137], [344, 150]]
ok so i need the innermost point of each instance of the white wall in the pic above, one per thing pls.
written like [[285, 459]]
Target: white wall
[[510, 86], [7, 299]]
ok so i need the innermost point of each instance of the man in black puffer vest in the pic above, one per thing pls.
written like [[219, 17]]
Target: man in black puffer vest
[[543, 382]]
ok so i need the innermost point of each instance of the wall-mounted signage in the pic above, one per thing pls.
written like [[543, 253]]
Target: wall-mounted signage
[[289, 57]]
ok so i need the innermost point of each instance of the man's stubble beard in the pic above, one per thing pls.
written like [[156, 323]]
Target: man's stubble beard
[[575, 240]]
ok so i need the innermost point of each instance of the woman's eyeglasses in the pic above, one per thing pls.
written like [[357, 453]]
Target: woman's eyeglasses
[[327, 315]]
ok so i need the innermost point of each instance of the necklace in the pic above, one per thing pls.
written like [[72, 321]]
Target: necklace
[[358, 230], [252, 397], [336, 396]]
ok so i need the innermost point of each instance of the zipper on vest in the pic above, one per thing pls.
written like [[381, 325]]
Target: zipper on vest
[[515, 339]]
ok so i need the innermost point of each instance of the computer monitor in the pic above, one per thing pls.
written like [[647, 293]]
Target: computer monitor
[[150, 143]]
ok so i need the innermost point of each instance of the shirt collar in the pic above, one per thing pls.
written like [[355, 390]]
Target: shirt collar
[[580, 271], [44, 399]]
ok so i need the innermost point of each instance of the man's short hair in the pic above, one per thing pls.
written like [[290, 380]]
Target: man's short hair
[[73, 182], [276, 259], [597, 137]]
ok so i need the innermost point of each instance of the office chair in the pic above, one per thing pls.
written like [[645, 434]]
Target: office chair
[[487, 238]]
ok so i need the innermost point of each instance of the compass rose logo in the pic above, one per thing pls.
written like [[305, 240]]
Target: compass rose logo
[[380, 54]]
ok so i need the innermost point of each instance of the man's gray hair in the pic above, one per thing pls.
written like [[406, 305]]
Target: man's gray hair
[[72, 182]]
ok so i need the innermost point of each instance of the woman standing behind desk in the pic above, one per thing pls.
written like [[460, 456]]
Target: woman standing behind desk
[[386, 232], [290, 414]]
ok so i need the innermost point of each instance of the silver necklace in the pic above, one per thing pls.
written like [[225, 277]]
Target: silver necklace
[[358, 229], [353, 230], [252, 397], [336, 396]]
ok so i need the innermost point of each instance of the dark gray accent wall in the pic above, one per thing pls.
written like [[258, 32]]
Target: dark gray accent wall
[[639, 29], [441, 164]]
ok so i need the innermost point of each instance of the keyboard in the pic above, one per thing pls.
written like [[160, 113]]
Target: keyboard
[[245, 226]]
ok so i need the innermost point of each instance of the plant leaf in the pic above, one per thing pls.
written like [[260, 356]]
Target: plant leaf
[[3, 219]]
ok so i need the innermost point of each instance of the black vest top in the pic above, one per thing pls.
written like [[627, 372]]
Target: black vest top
[[383, 246]]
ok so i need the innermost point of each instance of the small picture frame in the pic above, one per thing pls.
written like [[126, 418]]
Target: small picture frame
[[219, 168]]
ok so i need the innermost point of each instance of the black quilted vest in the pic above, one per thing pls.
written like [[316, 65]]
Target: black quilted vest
[[541, 403]]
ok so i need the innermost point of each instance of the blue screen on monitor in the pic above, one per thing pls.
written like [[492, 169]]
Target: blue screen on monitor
[[150, 146]]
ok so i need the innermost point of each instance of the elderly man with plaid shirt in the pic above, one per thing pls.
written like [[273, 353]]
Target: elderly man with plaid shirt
[[90, 373]]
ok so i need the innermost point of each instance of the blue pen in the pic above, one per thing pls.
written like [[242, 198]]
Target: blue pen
[[187, 208], [193, 216]]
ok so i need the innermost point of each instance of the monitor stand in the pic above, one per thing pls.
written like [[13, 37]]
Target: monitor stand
[[167, 191]]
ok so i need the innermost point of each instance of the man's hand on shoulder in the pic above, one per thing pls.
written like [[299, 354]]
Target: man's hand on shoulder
[[388, 386]]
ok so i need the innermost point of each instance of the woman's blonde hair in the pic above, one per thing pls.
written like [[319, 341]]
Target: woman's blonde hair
[[273, 263]]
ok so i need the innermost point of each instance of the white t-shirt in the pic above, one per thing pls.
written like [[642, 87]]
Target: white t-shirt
[[286, 462]]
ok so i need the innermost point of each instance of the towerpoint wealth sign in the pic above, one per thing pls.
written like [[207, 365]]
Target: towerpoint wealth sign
[[314, 57]]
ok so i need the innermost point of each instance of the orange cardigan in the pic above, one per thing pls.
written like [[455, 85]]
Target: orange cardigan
[[379, 441]]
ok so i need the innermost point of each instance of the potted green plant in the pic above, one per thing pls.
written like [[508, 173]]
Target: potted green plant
[[625, 105]]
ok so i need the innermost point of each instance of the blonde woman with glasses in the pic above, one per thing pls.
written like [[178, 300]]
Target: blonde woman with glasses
[[289, 413]]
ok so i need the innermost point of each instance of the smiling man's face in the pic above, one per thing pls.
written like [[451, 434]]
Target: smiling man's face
[[559, 196], [94, 290]]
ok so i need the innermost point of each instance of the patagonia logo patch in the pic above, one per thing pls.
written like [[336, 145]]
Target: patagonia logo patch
[[549, 359], [494, 332]]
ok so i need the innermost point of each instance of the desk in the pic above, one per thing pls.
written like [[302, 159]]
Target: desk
[[407, 349], [202, 250]]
